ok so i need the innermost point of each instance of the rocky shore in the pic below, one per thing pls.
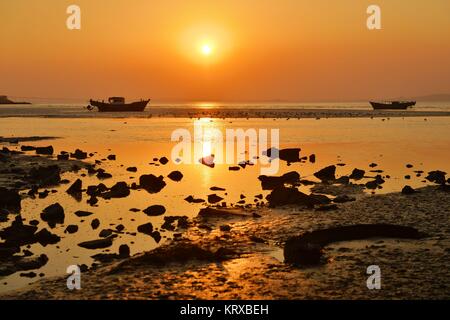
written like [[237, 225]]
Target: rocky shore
[[290, 245]]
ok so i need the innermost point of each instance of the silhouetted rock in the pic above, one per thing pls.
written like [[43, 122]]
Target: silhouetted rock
[[214, 198], [175, 176], [124, 251], [44, 150], [289, 155], [152, 183], [72, 228], [284, 196], [27, 148], [78, 154], [111, 157], [326, 174], [63, 157], [155, 210], [10, 199], [234, 168], [45, 176], [163, 160], [436, 176], [408, 190], [119, 190], [53, 214], [307, 249], [45, 237], [83, 213], [312, 158], [343, 180], [372, 185], [373, 165], [95, 224], [146, 228], [217, 189], [132, 169], [191, 199], [97, 244], [102, 175], [23, 264], [156, 236], [357, 174], [76, 187], [272, 182]]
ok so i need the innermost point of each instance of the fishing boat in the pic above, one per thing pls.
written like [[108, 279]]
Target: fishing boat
[[392, 105], [117, 104]]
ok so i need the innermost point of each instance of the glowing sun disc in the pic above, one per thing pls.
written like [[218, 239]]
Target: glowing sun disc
[[206, 49]]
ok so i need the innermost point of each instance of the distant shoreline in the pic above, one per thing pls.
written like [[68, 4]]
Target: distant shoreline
[[259, 113]]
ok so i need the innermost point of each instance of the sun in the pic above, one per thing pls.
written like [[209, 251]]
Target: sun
[[206, 49]]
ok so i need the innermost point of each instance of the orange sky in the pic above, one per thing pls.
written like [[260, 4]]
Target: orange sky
[[261, 50]]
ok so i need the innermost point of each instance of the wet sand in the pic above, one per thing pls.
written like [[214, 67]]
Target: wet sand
[[253, 267]]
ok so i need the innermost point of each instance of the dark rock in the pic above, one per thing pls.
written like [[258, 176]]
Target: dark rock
[[92, 200], [78, 154], [320, 198], [76, 187], [217, 189], [45, 237], [191, 199], [124, 251], [80, 213], [208, 161], [120, 227], [175, 176], [63, 157], [289, 155], [152, 183], [53, 214], [326, 174], [28, 274], [372, 185], [407, 190], [163, 160], [23, 264], [43, 194], [132, 169], [10, 199], [343, 180], [312, 158], [97, 244], [156, 236], [409, 165], [271, 182], [46, 176], [95, 224], [105, 233], [373, 165], [119, 190], [111, 157], [357, 174], [27, 148], [284, 196], [234, 168], [155, 210], [71, 229], [307, 249], [214, 198], [103, 175], [436, 177], [146, 228], [44, 150]]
